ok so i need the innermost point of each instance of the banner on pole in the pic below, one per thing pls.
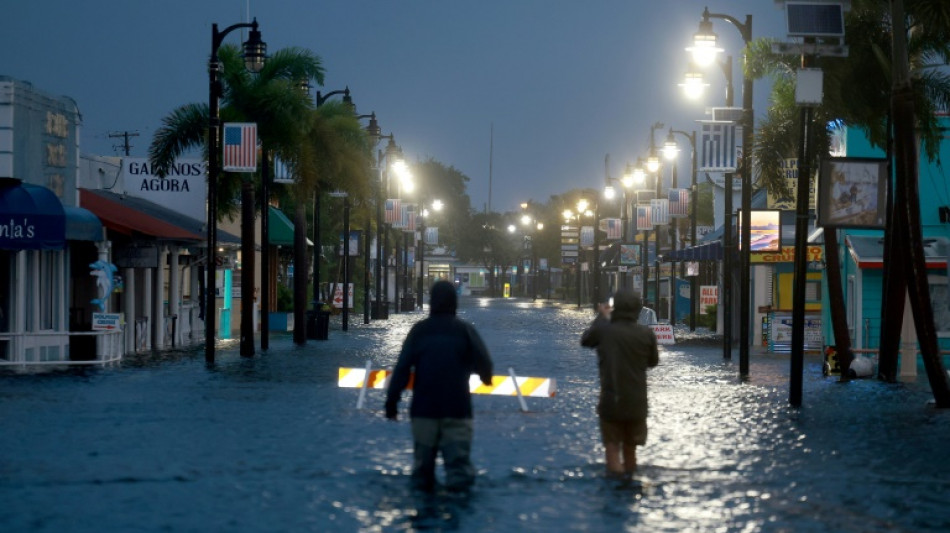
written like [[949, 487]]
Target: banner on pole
[[719, 146], [679, 203], [240, 147]]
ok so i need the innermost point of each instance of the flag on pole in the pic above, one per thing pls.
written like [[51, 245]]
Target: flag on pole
[[719, 146], [661, 211], [644, 217], [587, 236], [408, 222], [393, 211], [240, 147], [612, 227], [432, 236], [679, 203], [281, 171]]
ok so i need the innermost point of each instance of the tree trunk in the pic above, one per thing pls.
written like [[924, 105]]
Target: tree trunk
[[839, 321], [300, 272], [906, 163], [248, 267]]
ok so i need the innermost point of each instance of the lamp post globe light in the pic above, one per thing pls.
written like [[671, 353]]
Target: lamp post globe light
[[702, 38], [255, 52]]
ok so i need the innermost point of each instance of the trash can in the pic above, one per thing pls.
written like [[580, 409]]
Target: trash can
[[318, 324], [379, 312], [408, 303]]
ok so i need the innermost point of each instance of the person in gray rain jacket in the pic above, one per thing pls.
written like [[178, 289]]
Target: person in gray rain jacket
[[625, 350], [441, 352]]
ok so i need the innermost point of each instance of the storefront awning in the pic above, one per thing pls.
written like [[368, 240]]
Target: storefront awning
[[82, 225], [867, 251], [31, 217], [280, 229], [710, 251], [136, 217]]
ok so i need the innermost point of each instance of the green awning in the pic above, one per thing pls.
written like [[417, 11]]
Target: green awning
[[280, 229]]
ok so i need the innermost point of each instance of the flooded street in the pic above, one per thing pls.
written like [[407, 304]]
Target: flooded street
[[164, 442]]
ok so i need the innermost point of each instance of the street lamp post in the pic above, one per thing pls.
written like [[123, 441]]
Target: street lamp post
[[382, 239], [321, 99], [671, 147], [255, 51], [436, 206], [705, 38]]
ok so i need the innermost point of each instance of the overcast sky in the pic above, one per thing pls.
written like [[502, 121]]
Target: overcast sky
[[527, 96]]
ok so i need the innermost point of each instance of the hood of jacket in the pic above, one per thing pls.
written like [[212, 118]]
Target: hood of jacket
[[627, 306], [442, 299]]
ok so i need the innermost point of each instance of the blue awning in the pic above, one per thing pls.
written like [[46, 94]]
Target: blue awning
[[82, 225], [709, 251], [31, 217]]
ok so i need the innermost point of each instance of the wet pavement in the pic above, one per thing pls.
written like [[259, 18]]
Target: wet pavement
[[164, 442]]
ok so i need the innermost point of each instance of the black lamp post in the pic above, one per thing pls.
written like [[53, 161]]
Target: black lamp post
[[671, 147], [255, 51], [373, 132], [423, 213], [705, 38], [382, 239], [321, 99]]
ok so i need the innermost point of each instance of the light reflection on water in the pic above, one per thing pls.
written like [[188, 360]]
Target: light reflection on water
[[270, 443]]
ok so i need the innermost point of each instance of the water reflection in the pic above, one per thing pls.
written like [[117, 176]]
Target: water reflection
[[270, 443]]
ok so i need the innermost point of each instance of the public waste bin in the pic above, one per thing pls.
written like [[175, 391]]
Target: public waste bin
[[318, 324], [379, 312]]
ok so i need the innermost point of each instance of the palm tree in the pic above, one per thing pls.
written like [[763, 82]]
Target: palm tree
[[333, 154], [270, 98]]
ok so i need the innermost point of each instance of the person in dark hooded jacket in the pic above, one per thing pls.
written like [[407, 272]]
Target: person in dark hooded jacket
[[440, 354], [625, 350]]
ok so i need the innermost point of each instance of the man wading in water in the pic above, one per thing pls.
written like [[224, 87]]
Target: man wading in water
[[625, 349], [443, 351]]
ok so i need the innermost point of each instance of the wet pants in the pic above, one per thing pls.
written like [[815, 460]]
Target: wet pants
[[451, 436]]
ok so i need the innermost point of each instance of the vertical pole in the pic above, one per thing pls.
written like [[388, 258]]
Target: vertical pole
[[422, 262], [265, 251], [213, 133], [800, 269], [346, 264], [727, 255], [694, 199], [745, 288], [366, 268]]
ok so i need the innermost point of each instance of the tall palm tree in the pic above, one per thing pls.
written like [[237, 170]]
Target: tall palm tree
[[270, 98], [333, 153]]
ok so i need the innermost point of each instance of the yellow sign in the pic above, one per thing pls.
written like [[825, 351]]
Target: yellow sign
[[507, 290], [787, 255], [790, 167]]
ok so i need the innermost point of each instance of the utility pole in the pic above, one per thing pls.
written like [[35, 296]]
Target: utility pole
[[125, 136]]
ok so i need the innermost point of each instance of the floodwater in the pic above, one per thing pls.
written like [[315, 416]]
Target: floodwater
[[166, 443]]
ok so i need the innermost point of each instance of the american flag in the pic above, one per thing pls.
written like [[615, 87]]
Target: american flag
[[661, 211], [240, 147], [393, 213], [644, 217], [679, 203], [719, 150], [408, 217], [612, 226]]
